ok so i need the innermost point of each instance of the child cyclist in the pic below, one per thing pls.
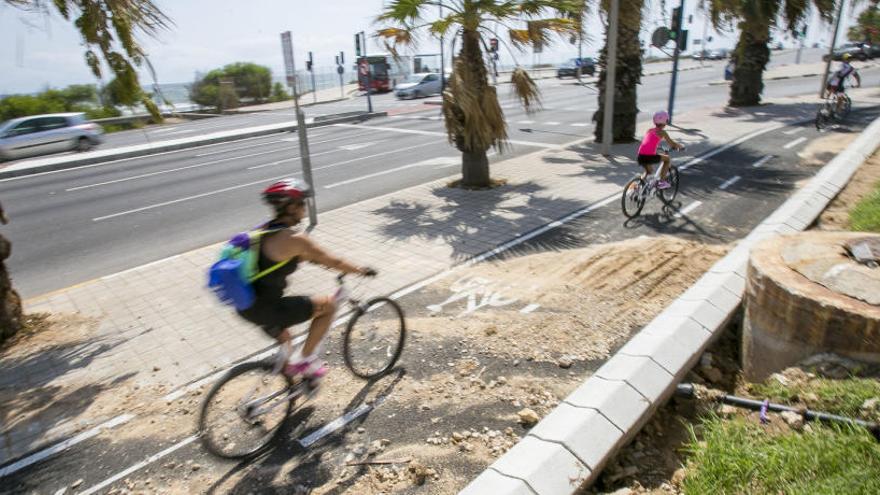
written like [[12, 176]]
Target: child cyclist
[[648, 156]]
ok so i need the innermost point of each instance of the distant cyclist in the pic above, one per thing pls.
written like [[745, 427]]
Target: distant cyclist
[[648, 155], [837, 82], [276, 313]]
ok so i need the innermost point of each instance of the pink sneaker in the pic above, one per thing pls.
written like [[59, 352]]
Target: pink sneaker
[[309, 370], [662, 184]]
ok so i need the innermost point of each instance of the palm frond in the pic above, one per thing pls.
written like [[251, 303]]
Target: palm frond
[[403, 11], [526, 90]]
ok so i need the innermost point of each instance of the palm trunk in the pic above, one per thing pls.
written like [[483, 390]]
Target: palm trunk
[[628, 76], [10, 303], [474, 169], [474, 162], [751, 57]]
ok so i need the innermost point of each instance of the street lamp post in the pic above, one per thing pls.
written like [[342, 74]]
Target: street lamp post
[[610, 76]]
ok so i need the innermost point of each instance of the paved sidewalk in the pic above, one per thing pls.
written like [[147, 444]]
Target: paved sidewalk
[[328, 95], [791, 71], [157, 327]]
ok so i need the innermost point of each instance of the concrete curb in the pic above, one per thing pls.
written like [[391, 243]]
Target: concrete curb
[[577, 439], [67, 162]]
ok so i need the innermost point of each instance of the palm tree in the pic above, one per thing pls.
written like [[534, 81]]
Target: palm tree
[[10, 303], [755, 18], [108, 29], [474, 120], [628, 74]]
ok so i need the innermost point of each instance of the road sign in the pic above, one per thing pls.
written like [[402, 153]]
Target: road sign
[[287, 50], [660, 37], [340, 70]]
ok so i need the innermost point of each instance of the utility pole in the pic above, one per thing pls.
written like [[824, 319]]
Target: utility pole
[[610, 76], [831, 50], [703, 49], [369, 75], [305, 158], [677, 22]]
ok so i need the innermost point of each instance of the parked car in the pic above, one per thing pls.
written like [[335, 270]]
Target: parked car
[[45, 134], [569, 68], [717, 54], [859, 51], [419, 85]]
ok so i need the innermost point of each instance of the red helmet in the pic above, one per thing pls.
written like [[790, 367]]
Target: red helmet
[[280, 193]]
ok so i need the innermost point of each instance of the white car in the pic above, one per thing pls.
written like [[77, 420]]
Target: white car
[[419, 85], [44, 134]]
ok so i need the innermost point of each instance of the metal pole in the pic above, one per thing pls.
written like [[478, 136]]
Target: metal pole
[[610, 76], [305, 158], [442, 66], [369, 78], [831, 50], [703, 48], [675, 61]]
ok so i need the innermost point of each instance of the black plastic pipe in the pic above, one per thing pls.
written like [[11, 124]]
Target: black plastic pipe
[[687, 390]]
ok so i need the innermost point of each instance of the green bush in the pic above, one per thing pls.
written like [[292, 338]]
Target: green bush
[[250, 82], [74, 98], [279, 93], [866, 215]]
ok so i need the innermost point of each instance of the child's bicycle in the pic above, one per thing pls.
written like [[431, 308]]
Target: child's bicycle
[[246, 408], [834, 108], [639, 189]]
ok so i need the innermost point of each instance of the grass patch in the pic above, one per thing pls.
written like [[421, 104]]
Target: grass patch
[[735, 456], [843, 397], [865, 217]]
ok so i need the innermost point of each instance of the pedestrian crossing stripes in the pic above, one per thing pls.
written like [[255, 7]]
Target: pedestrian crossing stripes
[[518, 122]]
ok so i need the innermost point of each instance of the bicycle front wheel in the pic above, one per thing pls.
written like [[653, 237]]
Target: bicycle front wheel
[[632, 201], [245, 410], [374, 338], [821, 119], [668, 195]]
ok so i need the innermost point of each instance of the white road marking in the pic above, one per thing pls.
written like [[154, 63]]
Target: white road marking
[[232, 188], [334, 425], [687, 209], [762, 161], [160, 172], [530, 308], [432, 162], [357, 146], [551, 123], [437, 133], [580, 124], [149, 460], [735, 142], [729, 182], [210, 153], [793, 131], [159, 131], [183, 131], [60, 447], [525, 122], [795, 143]]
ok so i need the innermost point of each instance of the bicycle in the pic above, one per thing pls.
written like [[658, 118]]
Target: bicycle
[[261, 398], [828, 109], [639, 189]]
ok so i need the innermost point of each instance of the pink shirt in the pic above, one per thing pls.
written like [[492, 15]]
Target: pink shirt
[[650, 142]]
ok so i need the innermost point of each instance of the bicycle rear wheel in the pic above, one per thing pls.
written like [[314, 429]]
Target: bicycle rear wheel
[[245, 410], [632, 200], [822, 118], [668, 195], [374, 338]]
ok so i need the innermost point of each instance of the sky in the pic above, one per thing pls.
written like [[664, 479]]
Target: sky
[[39, 51]]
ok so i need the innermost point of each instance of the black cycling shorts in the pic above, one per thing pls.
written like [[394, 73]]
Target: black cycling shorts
[[275, 315], [648, 159]]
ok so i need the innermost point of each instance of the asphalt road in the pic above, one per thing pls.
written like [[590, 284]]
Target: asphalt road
[[721, 200], [75, 225]]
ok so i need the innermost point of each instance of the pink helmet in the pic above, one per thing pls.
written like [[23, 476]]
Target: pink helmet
[[661, 117]]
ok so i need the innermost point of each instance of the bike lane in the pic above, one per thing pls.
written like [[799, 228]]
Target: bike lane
[[485, 343]]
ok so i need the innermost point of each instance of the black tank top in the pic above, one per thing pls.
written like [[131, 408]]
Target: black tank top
[[272, 285]]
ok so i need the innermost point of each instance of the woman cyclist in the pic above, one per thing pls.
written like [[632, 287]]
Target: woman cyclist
[[281, 243], [648, 156]]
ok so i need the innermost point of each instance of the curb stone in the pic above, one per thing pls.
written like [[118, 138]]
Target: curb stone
[[629, 387], [67, 162]]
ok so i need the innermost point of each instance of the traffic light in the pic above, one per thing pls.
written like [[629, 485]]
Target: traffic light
[[341, 58], [309, 62], [357, 44], [676, 23], [493, 45]]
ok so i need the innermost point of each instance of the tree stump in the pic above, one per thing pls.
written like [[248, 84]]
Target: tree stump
[[805, 295]]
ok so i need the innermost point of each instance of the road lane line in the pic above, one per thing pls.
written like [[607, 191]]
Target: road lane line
[[551, 123], [334, 425], [526, 122], [59, 447], [227, 189], [437, 133], [687, 209], [795, 143], [149, 460], [762, 161], [735, 142], [729, 182], [793, 131], [241, 148], [160, 172], [443, 161], [580, 124]]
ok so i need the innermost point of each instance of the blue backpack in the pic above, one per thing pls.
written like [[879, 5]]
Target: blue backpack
[[231, 277]]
